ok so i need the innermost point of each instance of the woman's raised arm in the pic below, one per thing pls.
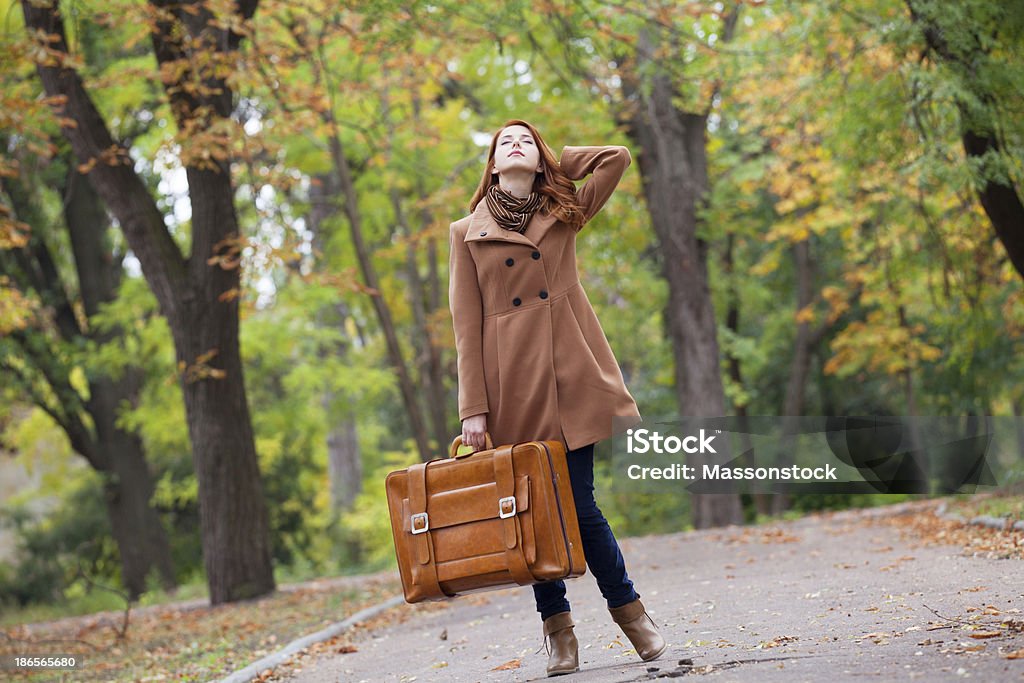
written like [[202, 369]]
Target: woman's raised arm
[[607, 163]]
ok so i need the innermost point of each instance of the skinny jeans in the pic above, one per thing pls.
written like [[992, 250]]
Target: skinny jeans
[[601, 550]]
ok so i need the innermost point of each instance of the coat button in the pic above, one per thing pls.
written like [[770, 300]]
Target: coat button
[[535, 255], [543, 294], [516, 301], [483, 233], [509, 261]]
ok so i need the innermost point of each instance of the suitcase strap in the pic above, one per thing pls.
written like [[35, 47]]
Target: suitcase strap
[[504, 477], [424, 570]]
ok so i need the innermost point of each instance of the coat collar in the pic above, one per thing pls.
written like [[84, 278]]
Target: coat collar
[[483, 227]]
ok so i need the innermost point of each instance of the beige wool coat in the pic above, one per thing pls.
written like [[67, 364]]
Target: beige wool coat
[[531, 351]]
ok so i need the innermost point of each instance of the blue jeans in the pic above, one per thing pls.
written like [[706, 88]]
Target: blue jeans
[[599, 545]]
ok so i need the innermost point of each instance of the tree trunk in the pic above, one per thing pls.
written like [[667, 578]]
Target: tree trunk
[[380, 306], [198, 295], [426, 351], [233, 513], [673, 168], [799, 367], [138, 531], [345, 468], [136, 526], [429, 292], [344, 460], [919, 455], [1018, 412], [762, 501]]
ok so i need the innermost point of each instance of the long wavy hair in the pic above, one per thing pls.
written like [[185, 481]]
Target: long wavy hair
[[558, 193]]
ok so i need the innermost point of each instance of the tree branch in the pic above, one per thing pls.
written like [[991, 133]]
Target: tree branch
[[108, 163]]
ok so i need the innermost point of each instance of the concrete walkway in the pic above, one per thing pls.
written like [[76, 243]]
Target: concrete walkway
[[818, 599]]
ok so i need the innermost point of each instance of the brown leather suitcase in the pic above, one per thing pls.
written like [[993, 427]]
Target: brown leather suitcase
[[481, 521]]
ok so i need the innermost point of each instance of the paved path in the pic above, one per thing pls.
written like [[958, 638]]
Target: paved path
[[817, 599]]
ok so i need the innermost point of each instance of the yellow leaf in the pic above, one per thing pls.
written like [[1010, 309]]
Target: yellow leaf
[[805, 314]]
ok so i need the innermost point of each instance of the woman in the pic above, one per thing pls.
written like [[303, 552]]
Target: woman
[[533, 361]]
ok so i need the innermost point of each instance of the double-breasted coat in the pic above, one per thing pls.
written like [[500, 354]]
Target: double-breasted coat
[[531, 351]]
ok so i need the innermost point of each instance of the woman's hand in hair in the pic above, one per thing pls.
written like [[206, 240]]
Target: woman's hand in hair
[[473, 429]]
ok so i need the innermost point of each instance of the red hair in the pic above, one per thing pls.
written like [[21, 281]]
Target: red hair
[[558, 193]]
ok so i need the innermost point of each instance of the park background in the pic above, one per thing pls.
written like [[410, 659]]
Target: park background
[[823, 217]]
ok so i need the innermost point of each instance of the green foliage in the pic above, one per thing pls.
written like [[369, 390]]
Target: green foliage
[[368, 522], [814, 502], [74, 537]]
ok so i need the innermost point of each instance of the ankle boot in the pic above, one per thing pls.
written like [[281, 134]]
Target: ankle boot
[[641, 630], [563, 655]]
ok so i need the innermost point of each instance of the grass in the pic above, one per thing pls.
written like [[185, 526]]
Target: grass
[[1006, 505], [78, 604], [171, 640]]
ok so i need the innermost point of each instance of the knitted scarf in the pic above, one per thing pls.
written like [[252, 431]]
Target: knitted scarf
[[511, 212]]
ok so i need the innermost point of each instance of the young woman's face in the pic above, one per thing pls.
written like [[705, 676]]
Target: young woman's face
[[516, 150]]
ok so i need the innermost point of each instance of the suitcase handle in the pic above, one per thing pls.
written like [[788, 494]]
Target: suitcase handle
[[457, 441]]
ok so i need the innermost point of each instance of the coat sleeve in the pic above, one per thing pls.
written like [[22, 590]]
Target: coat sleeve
[[466, 306], [607, 164]]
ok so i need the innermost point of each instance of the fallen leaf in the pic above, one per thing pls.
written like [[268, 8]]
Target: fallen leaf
[[775, 642], [1016, 654], [511, 664], [986, 634]]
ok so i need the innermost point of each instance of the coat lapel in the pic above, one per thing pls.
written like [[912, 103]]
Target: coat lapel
[[483, 227]]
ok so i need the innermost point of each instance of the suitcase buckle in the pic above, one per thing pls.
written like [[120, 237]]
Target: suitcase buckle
[[507, 507], [419, 516]]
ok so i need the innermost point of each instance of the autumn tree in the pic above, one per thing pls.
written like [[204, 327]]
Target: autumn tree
[[197, 293], [371, 198], [978, 45], [41, 347], [636, 56]]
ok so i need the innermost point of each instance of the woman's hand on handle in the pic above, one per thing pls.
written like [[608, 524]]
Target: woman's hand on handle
[[473, 429]]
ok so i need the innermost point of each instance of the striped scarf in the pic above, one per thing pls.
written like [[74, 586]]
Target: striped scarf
[[511, 212]]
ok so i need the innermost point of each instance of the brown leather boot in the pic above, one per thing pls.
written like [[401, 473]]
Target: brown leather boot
[[641, 630], [563, 655]]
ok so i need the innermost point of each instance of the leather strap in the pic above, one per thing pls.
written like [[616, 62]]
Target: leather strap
[[425, 572], [504, 476]]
